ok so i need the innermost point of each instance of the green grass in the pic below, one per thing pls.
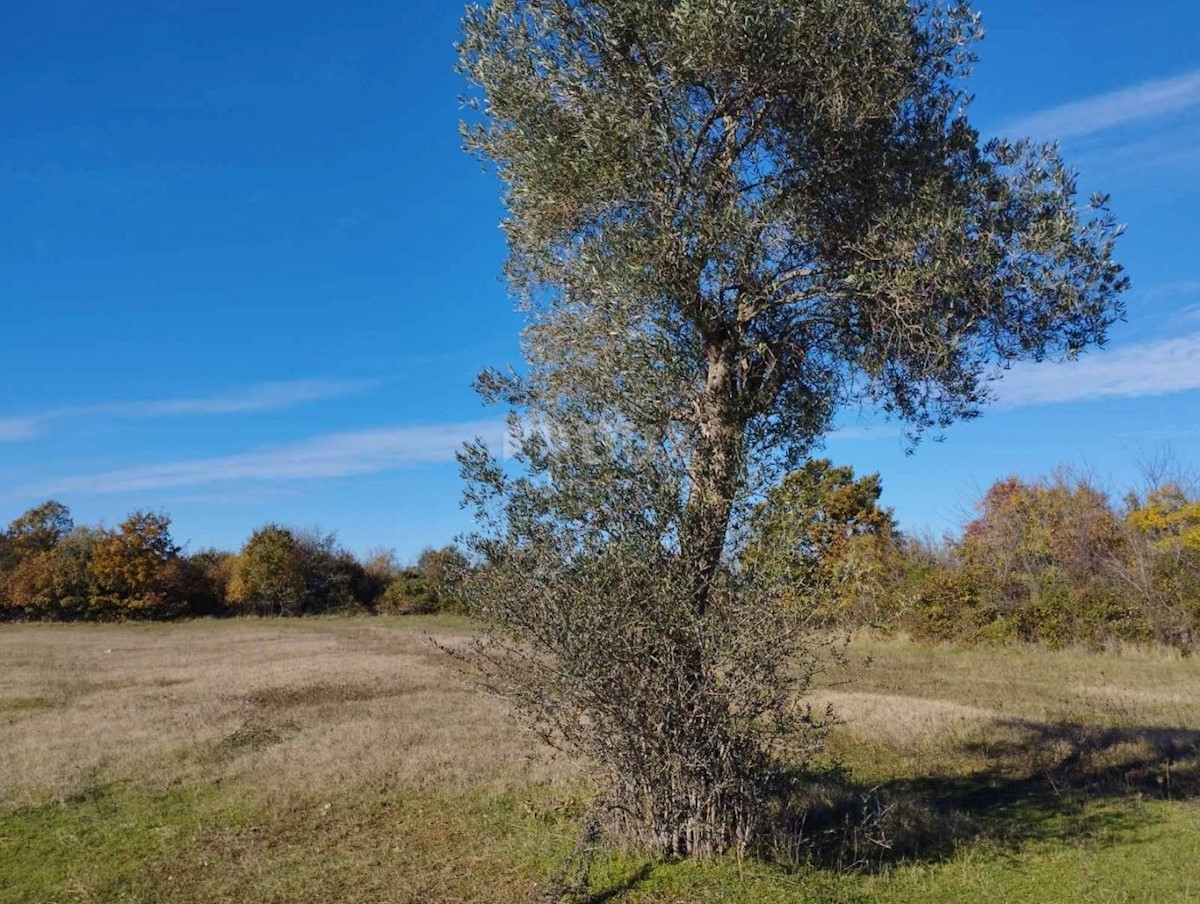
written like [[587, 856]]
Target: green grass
[[98, 846], [1069, 777], [193, 846], [1153, 860], [205, 845]]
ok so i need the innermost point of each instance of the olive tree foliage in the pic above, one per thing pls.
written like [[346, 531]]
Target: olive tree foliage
[[726, 220]]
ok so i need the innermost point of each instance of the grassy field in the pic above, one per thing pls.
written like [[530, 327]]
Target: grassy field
[[340, 761]]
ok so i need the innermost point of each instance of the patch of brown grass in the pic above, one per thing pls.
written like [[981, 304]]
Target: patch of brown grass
[[289, 709], [1049, 686], [902, 722]]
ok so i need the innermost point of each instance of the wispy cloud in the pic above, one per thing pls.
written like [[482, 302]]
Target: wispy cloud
[[239, 496], [867, 432], [18, 428], [257, 398], [1182, 289], [246, 400], [1149, 100], [333, 455], [1148, 369]]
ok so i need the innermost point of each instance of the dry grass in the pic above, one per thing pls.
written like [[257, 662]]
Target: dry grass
[[901, 722], [1142, 688], [287, 707], [284, 709]]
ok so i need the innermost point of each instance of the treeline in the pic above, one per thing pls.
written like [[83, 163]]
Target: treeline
[[1053, 561], [51, 569]]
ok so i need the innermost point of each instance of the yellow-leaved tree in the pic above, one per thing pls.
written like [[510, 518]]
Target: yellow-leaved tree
[[1164, 566]]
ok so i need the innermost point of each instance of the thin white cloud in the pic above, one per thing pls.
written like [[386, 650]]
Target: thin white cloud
[[333, 455], [257, 398], [241, 496], [1172, 305], [1148, 369], [867, 432], [19, 428], [1184, 288], [1149, 100], [247, 400]]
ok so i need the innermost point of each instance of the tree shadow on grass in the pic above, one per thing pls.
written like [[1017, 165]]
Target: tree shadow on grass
[[1041, 784]]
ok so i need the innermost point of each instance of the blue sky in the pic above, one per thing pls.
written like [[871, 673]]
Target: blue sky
[[247, 274]]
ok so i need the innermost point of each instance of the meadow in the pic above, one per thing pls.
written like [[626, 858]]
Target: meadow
[[343, 760]]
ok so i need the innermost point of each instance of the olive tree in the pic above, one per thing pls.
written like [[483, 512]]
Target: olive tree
[[728, 219]]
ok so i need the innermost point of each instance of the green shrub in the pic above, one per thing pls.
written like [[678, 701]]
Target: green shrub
[[442, 569], [267, 577], [283, 572], [941, 604], [408, 594], [1000, 631]]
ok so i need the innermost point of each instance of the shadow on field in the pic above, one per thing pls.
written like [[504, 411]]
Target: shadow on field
[[1038, 785], [1042, 783]]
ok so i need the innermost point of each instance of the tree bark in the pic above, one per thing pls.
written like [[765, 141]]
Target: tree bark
[[715, 471]]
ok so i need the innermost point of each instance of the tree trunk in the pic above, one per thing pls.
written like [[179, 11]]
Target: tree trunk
[[714, 473]]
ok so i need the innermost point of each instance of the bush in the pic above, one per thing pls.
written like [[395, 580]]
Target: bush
[[941, 603], [38, 530], [822, 538], [408, 594], [268, 578], [212, 574], [1052, 562], [442, 570], [1163, 566], [333, 579], [281, 572], [50, 569]]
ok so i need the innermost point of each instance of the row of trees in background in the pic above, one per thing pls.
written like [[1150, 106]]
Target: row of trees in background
[[52, 569], [1051, 560]]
